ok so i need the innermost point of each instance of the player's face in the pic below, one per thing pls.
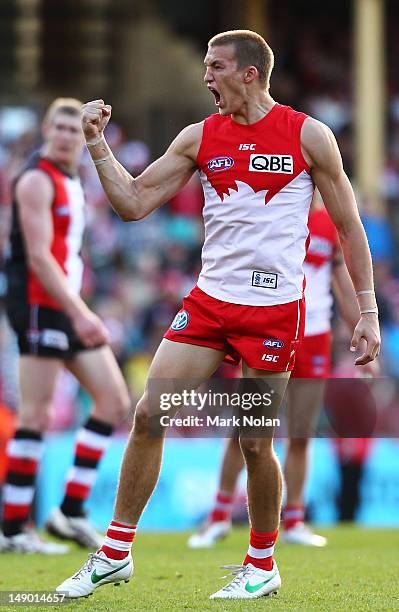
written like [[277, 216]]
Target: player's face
[[224, 79], [64, 139]]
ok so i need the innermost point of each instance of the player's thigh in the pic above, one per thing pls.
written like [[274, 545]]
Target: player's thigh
[[271, 382], [37, 380], [98, 372], [177, 367], [178, 360], [256, 373]]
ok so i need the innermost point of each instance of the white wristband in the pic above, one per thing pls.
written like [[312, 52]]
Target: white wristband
[[96, 141], [103, 160], [371, 310], [365, 292]]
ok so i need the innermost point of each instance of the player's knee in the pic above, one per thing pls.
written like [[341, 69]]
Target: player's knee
[[253, 448], [141, 417], [114, 405], [122, 403]]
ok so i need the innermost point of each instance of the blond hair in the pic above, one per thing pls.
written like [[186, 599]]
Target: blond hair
[[250, 50], [69, 106]]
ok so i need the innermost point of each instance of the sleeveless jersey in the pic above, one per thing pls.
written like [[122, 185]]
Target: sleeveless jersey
[[257, 190], [318, 271], [67, 210]]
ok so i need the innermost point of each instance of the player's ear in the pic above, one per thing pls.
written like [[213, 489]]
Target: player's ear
[[250, 74]]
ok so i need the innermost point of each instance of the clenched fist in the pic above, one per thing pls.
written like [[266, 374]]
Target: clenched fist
[[95, 116]]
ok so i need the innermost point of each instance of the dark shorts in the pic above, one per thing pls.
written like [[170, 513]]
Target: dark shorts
[[44, 332]]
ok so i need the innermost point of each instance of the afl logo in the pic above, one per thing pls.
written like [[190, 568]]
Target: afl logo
[[217, 164], [180, 321], [273, 343]]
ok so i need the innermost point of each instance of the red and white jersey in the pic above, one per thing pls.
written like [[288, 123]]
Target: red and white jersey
[[318, 272], [257, 188], [67, 210]]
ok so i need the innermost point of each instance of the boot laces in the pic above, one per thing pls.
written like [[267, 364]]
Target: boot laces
[[88, 566], [239, 571]]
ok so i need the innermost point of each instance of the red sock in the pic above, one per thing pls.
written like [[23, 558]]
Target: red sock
[[119, 539], [293, 515], [261, 548], [223, 507]]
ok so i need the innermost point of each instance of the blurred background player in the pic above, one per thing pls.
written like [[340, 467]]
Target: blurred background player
[[55, 329], [324, 269]]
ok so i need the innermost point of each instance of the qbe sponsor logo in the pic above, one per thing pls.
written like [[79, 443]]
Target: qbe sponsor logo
[[278, 164], [217, 164], [180, 321], [273, 343], [267, 280]]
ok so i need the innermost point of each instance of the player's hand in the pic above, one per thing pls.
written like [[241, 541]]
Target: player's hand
[[368, 370], [90, 329], [367, 329], [95, 116]]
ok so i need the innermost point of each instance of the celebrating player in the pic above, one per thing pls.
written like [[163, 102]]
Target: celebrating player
[[324, 267], [55, 328], [258, 163]]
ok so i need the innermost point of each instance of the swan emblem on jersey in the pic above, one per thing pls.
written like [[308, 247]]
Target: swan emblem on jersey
[[180, 321], [238, 189]]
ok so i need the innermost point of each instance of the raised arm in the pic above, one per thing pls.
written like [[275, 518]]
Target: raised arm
[[135, 198], [321, 151]]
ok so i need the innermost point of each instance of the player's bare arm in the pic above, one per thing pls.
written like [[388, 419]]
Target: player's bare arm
[[34, 193], [322, 153], [343, 290], [135, 198], [345, 295]]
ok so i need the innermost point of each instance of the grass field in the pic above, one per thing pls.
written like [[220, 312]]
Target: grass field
[[358, 570]]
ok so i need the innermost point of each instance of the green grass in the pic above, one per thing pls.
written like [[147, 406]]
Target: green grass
[[358, 570]]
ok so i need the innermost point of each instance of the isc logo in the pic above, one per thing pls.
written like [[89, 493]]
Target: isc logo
[[280, 164], [273, 358], [247, 147], [220, 163], [267, 280]]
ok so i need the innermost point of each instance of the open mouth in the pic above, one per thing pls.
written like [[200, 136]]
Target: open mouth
[[216, 94]]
